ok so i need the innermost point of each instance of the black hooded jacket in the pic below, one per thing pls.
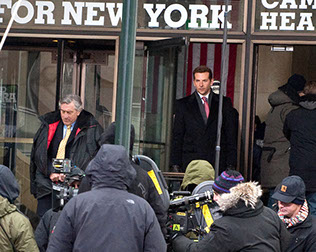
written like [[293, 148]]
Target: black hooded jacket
[[108, 218], [142, 185], [300, 130], [304, 236], [87, 132]]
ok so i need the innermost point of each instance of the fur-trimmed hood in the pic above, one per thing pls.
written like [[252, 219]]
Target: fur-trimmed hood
[[246, 193]]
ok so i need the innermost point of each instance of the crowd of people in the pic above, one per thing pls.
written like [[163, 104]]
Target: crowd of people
[[118, 207]]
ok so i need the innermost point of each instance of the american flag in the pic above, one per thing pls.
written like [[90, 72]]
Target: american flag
[[198, 54], [211, 56]]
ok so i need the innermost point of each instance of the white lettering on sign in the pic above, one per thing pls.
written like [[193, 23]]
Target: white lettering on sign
[[76, 14], [115, 18], [154, 15], [268, 18], [198, 11], [7, 96], [7, 3], [283, 15], [92, 13], [45, 8], [88, 13], [288, 4], [29, 12], [219, 16], [269, 6], [303, 4], [183, 15], [284, 20], [306, 22]]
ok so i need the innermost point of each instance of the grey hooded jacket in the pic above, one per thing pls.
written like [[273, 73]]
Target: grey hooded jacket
[[276, 169], [108, 218]]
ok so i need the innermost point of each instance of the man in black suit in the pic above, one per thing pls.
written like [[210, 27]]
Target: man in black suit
[[195, 126]]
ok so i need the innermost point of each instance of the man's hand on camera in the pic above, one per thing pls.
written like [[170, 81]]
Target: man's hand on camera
[[62, 177], [175, 231], [55, 177], [173, 227]]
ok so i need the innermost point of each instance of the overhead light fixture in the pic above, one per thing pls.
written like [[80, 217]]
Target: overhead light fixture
[[280, 48]]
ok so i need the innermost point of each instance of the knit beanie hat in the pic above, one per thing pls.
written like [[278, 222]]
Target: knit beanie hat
[[227, 180], [297, 82], [294, 84]]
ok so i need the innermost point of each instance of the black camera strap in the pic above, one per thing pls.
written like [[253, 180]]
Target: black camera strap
[[8, 237]]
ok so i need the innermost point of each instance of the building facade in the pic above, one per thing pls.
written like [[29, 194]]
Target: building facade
[[60, 47]]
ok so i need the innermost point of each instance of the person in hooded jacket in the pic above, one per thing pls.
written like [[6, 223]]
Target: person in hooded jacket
[[80, 146], [197, 172], [246, 224], [16, 233], [142, 185], [300, 130], [108, 218], [275, 151]]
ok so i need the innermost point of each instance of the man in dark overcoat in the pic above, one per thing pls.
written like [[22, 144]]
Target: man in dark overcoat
[[195, 126]]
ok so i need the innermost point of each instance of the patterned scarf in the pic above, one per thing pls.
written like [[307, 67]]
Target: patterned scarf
[[300, 217]]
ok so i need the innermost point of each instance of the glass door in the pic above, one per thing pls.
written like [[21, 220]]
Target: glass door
[[28, 90], [28, 77], [90, 74], [156, 74]]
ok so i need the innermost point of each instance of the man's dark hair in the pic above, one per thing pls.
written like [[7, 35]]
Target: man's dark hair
[[203, 69]]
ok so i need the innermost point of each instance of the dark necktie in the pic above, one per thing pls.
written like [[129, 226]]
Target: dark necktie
[[206, 107]]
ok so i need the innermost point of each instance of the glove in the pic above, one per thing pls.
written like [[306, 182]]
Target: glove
[[174, 226], [175, 231]]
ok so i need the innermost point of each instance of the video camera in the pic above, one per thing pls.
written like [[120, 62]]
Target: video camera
[[62, 165], [64, 190], [191, 215]]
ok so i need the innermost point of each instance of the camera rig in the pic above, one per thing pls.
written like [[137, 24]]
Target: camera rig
[[191, 215], [63, 191]]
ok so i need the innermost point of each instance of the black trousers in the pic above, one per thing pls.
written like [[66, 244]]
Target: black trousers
[[43, 205]]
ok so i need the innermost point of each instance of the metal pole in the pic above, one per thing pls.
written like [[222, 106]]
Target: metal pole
[[13, 14], [60, 72], [126, 73], [221, 93]]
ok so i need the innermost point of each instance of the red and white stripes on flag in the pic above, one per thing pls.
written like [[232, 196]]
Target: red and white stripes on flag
[[211, 56]]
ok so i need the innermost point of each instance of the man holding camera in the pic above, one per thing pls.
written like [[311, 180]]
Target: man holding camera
[[246, 224], [70, 132]]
